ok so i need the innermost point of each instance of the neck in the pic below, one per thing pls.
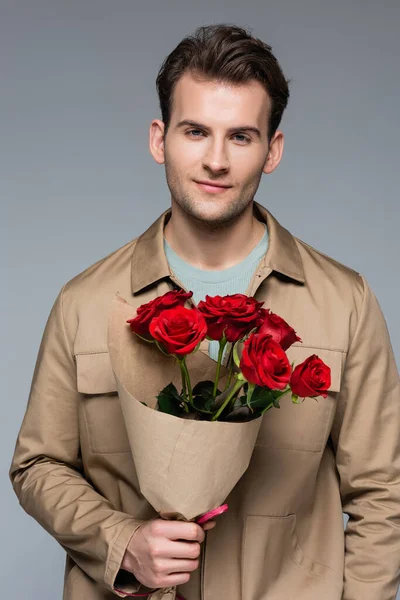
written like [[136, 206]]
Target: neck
[[211, 248]]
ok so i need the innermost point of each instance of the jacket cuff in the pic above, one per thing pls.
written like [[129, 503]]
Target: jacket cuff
[[127, 584]]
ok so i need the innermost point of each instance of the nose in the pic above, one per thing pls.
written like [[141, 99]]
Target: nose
[[216, 159]]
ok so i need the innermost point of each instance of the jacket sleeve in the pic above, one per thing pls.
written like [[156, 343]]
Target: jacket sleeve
[[47, 474], [366, 438]]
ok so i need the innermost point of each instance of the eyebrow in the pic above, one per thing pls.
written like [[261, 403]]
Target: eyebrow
[[248, 128]]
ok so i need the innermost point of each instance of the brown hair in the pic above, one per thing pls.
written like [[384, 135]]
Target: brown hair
[[225, 53]]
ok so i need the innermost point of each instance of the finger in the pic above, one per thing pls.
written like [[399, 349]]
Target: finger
[[180, 530], [180, 549], [174, 579], [178, 565]]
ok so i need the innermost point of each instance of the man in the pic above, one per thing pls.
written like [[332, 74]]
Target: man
[[222, 95]]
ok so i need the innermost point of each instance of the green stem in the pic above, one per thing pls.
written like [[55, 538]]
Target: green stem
[[239, 383], [228, 383], [279, 396], [222, 345], [233, 359], [184, 390], [188, 383]]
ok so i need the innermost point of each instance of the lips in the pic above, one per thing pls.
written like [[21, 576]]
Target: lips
[[213, 184], [212, 188]]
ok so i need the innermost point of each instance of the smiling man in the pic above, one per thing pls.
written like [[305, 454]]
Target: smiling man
[[222, 95], [215, 151]]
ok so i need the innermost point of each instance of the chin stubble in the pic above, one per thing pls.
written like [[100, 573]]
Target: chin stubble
[[187, 203]]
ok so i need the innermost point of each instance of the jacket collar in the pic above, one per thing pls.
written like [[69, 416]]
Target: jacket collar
[[150, 265]]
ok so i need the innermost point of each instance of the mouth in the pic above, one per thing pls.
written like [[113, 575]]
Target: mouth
[[212, 188]]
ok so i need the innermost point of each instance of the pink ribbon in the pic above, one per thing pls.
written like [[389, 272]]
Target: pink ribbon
[[208, 516]]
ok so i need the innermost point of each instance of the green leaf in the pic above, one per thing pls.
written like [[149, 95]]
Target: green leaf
[[203, 398], [170, 401], [277, 395], [261, 397], [275, 402], [204, 388], [202, 405], [242, 400], [250, 391], [171, 389]]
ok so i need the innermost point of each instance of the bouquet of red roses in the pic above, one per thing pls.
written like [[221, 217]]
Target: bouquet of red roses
[[263, 373], [191, 445]]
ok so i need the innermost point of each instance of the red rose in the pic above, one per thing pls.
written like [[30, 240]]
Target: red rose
[[278, 329], [264, 362], [146, 312], [179, 330], [234, 314], [311, 378]]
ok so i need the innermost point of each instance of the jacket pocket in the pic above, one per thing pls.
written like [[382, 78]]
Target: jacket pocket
[[274, 566], [304, 426], [101, 409]]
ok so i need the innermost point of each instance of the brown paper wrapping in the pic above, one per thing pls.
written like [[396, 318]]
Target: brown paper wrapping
[[185, 467], [164, 594]]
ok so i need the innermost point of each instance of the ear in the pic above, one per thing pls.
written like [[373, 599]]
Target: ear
[[275, 152], [156, 141]]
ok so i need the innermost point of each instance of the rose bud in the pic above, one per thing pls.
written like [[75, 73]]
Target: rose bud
[[311, 378], [264, 362], [179, 330], [234, 314], [146, 312], [278, 329]]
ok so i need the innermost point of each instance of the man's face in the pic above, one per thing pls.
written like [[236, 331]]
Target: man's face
[[218, 134]]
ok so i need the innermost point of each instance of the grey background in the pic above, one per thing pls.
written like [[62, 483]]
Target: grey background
[[77, 180]]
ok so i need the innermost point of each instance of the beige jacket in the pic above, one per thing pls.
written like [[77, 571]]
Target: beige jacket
[[282, 538]]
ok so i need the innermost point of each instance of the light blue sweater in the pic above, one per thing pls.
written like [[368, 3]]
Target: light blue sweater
[[234, 280]]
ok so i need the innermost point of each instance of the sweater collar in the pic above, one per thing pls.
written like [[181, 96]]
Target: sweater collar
[[150, 264]]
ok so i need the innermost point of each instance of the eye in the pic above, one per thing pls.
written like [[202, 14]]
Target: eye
[[244, 137], [190, 131]]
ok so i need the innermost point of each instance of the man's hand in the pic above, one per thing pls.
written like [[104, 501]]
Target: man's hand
[[164, 553]]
